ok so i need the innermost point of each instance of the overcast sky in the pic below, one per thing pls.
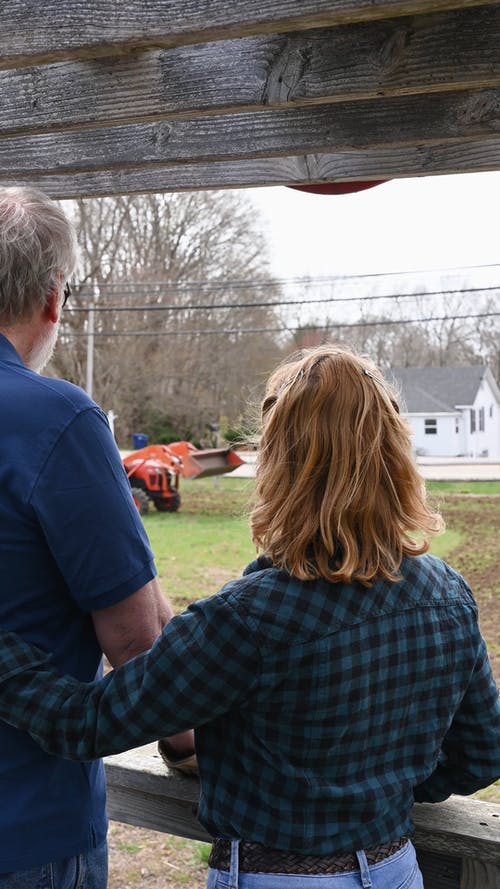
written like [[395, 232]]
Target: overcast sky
[[407, 224]]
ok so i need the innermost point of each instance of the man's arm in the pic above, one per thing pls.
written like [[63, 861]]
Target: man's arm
[[131, 627], [107, 565]]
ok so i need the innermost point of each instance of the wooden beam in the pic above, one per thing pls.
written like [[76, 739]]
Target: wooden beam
[[382, 124], [476, 873], [441, 828], [34, 32], [383, 164], [364, 61], [439, 871], [141, 791]]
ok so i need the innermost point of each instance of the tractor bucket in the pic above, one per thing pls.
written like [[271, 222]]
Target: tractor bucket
[[203, 463]]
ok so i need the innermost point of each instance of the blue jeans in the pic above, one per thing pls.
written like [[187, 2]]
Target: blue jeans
[[399, 871], [86, 871]]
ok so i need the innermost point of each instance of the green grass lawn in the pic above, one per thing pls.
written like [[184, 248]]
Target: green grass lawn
[[465, 487], [206, 543]]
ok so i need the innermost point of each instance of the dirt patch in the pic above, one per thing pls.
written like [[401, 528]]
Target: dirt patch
[[217, 577], [152, 860], [477, 558]]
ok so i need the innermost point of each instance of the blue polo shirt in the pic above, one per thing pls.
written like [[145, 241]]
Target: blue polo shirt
[[71, 542]]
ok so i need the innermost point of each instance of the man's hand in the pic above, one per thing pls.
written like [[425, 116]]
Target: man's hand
[[186, 762]]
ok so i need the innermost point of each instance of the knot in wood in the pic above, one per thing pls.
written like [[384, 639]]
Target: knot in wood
[[392, 52], [287, 71], [482, 111], [160, 134]]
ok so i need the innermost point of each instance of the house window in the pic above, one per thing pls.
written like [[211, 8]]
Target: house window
[[457, 426], [491, 410], [481, 419], [430, 426], [472, 421]]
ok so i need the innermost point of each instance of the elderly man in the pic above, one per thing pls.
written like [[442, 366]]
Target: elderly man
[[77, 570]]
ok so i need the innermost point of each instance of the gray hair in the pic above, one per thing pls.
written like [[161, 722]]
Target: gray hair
[[37, 244]]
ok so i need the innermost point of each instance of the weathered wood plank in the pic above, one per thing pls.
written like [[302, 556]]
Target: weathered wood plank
[[386, 123], [439, 871], [475, 874], [141, 791], [145, 810], [143, 770], [463, 827], [383, 164], [362, 61], [34, 32]]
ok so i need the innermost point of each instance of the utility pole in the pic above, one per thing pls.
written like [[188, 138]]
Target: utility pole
[[90, 343]]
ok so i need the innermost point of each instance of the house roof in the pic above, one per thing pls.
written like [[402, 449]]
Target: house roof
[[436, 389]]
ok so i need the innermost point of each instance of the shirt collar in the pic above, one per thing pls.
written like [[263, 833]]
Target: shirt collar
[[260, 564], [8, 352]]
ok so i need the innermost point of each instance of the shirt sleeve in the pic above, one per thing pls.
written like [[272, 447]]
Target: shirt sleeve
[[204, 663], [83, 502], [469, 758]]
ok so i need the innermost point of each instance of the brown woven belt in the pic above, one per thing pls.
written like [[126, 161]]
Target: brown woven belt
[[257, 859]]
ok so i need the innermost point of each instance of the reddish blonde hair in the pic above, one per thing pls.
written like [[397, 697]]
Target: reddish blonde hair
[[339, 495]]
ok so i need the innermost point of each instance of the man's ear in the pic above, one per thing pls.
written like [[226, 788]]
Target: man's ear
[[52, 309]]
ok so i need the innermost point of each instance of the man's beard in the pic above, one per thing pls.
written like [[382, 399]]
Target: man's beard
[[43, 350]]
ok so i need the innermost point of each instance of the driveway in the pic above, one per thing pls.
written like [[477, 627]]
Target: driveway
[[436, 468]]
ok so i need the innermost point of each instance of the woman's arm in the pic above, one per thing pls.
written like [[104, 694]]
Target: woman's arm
[[203, 663], [470, 754]]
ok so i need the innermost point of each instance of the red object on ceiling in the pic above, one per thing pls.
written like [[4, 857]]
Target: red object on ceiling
[[338, 187]]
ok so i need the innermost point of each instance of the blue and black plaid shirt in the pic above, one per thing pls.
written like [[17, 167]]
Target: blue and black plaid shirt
[[322, 711]]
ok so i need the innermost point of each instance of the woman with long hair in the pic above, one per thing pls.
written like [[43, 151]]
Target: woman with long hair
[[340, 679]]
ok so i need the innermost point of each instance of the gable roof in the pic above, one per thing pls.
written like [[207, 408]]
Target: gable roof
[[436, 389]]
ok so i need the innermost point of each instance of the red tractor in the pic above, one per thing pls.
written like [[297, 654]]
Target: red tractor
[[154, 471]]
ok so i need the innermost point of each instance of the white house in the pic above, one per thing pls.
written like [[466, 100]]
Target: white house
[[453, 411]]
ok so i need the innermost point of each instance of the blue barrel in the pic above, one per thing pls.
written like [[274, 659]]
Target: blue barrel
[[140, 440]]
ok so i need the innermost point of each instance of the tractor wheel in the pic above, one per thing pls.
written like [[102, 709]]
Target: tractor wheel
[[171, 505], [141, 500]]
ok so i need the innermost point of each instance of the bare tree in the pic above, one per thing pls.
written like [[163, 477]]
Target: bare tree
[[488, 335], [395, 342], [172, 283]]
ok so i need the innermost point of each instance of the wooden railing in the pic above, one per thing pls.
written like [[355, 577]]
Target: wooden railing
[[458, 841]]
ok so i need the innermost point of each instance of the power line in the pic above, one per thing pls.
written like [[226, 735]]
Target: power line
[[293, 329], [296, 280], [192, 307]]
